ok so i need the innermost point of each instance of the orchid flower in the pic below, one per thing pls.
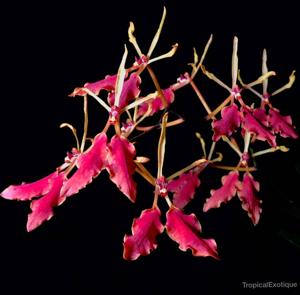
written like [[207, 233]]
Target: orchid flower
[[52, 190], [278, 123], [232, 115], [183, 229], [232, 186]]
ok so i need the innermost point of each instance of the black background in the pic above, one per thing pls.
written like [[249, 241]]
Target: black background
[[48, 49]]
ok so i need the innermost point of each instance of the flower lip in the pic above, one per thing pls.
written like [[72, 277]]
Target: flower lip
[[127, 127], [266, 95], [114, 115], [142, 60], [236, 91], [162, 184], [245, 159]]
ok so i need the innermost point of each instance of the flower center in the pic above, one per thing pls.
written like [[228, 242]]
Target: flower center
[[127, 126], [142, 60], [236, 92], [114, 115], [162, 184], [244, 159]]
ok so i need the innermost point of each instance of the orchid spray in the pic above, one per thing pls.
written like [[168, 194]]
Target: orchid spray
[[238, 122]]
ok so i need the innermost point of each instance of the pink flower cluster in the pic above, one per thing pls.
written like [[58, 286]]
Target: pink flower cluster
[[240, 125]]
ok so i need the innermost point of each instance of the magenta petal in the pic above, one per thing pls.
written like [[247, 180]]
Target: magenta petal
[[185, 230], [230, 184], [144, 232], [89, 164], [106, 84], [254, 125], [42, 209], [129, 92], [261, 116], [282, 124], [248, 197], [231, 120], [27, 191], [156, 103], [184, 188], [121, 165]]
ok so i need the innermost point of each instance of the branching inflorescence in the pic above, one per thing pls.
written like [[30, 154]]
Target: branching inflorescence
[[237, 123]]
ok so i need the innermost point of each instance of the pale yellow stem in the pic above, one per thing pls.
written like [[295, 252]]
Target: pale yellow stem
[[200, 96], [86, 122], [212, 114], [120, 78], [132, 39], [212, 149], [74, 131], [166, 55], [168, 201], [162, 147], [196, 68], [264, 70], [232, 168], [271, 150], [200, 162], [288, 85], [234, 62], [157, 86], [157, 35], [102, 103], [202, 143], [141, 169], [233, 146]]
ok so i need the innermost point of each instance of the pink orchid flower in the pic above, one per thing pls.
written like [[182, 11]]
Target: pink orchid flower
[[182, 228], [272, 118], [53, 189]]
